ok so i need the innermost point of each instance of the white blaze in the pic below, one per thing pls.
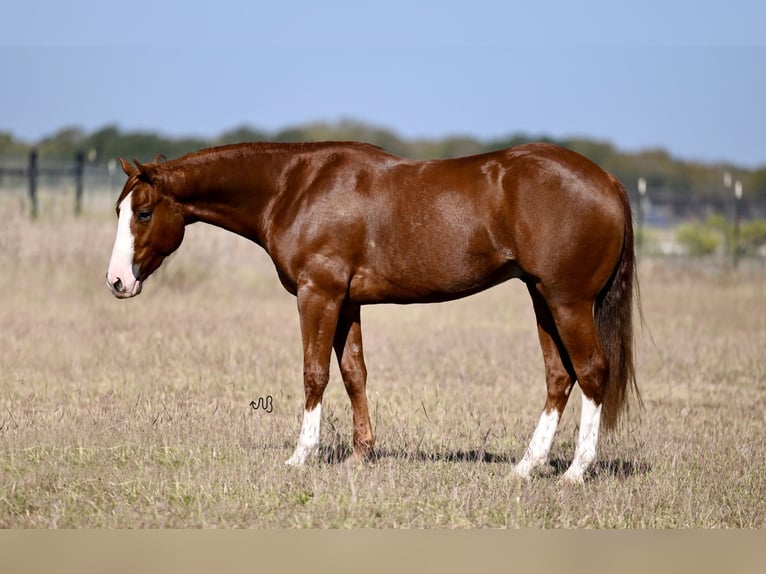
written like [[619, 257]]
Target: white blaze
[[121, 262], [308, 442]]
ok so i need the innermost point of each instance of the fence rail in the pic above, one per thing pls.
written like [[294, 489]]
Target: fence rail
[[654, 208], [33, 171], [661, 207]]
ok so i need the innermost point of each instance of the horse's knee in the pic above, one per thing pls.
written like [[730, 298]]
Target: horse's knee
[[315, 381]]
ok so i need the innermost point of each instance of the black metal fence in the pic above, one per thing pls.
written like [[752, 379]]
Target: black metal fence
[[666, 207], [659, 207], [32, 174]]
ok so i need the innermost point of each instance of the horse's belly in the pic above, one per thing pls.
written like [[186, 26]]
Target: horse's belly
[[438, 255], [426, 284]]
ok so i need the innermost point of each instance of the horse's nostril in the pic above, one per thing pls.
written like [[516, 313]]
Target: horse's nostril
[[117, 285]]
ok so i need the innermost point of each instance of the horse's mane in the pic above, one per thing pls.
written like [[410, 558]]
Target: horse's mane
[[250, 147], [270, 147]]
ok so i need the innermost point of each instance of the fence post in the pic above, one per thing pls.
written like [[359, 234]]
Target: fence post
[[641, 214], [727, 239], [79, 169], [737, 218], [32, 174]]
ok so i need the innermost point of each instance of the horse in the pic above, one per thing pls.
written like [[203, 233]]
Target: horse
[[347, 224]]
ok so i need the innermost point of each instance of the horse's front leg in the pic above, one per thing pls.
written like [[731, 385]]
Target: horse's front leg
[[319, 318], [348, 348]]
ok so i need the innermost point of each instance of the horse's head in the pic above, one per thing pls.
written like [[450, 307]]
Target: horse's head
[[150, 226]]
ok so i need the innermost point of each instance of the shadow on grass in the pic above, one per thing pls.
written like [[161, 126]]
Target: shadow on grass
[[617, 468], [334, 454]]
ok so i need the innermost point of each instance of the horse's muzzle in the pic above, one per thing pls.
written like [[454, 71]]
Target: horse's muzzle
[[120, 290]]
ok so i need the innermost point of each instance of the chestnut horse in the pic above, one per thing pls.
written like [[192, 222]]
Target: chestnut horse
[[347, 224]]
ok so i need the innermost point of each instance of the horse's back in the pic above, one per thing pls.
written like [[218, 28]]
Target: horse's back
[[419, 231]]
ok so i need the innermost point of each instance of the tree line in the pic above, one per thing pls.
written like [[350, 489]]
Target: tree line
[[660, 170]]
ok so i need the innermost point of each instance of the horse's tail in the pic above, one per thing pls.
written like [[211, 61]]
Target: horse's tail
[[614, 320]]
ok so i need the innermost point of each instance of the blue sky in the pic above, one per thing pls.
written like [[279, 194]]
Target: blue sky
[[686, 76]]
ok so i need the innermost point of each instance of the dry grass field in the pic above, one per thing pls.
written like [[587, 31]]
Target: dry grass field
[[136, 413]]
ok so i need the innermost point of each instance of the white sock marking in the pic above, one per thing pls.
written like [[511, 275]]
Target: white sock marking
[[585, 453], [540, 445], [308, 441]]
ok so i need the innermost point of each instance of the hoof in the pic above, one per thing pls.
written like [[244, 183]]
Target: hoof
[[359, 459], [528, 471], [296, 460], [573, 477], [523, 471]]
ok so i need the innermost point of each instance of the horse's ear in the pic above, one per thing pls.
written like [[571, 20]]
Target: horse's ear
[[146, 171], [127, 168]]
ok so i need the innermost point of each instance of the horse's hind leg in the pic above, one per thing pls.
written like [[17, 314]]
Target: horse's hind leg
[[348, 349], [578, 333], [559, 378]]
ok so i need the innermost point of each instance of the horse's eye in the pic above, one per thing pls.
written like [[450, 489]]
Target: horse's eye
[[144, 215]]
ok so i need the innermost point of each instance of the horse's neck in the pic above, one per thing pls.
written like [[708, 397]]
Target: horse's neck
[[231, 193]]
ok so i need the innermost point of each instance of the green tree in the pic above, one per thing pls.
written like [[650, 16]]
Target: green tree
[[698, 238]]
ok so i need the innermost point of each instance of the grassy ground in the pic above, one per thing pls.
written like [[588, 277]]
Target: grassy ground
[[136, 413]]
